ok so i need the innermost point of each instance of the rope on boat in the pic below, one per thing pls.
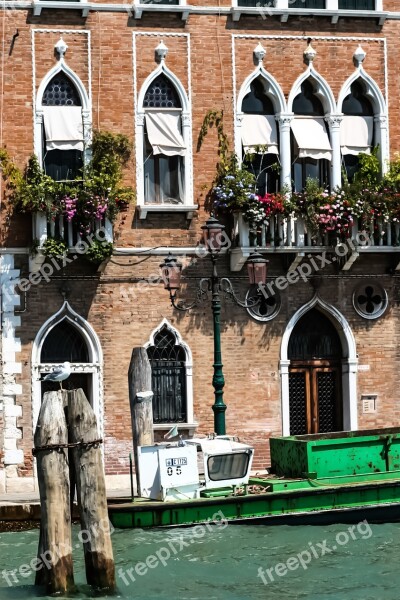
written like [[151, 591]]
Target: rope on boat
[[60, 447]]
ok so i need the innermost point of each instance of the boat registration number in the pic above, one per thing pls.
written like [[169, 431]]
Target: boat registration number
[[176, 462]]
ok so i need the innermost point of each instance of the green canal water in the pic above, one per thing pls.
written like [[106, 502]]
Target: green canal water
[[222, 563]]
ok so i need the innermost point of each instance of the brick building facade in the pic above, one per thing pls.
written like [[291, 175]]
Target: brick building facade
[[209, 56]]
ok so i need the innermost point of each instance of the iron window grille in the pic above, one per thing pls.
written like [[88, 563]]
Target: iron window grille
[[168, 366]]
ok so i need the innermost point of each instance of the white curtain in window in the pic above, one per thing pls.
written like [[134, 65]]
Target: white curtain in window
[[311, 138], [63, 127], [164, 134], [356, 134], [259, 130]]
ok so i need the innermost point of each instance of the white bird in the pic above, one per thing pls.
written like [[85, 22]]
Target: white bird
[[173, 432], [59, 374]]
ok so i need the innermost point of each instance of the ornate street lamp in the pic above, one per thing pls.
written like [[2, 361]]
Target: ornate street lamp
[[171, 270]]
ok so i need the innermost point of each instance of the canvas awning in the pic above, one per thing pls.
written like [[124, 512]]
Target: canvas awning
[[164, 134], [356, 133], [259, 130], [63, 127], [311, 138]]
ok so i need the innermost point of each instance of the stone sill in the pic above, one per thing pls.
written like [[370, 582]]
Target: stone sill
[[168, 426], [189, 209]]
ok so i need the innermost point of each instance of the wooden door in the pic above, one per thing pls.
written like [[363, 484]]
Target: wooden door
[[314, 397]]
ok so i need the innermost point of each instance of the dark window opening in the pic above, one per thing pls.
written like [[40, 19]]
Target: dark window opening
[[64, 343], [306, 3], [314, 337], [74, 381], [61, 165], [356, 103], [168, 366], [356, 4], [256, 102], [310, 168], [307, 103], [265, 167], [163, 177]]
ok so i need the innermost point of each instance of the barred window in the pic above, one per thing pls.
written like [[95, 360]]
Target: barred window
[[168, 365]]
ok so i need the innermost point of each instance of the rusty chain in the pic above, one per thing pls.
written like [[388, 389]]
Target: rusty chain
[[59, 447]]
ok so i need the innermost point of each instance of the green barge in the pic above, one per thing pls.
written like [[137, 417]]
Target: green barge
[[334, 477]]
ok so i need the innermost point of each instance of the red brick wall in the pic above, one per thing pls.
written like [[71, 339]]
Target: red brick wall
[[250, 349]]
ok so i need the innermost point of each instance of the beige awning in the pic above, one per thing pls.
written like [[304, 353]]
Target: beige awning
[[259, 130], [63, 127], [356, 134], [163, 130], [311, 137]]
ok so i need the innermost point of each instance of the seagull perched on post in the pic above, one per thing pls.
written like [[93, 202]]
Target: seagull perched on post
[[59, 374]]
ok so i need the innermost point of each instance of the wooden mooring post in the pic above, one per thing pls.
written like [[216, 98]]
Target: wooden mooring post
[[55, 547], [140, 401], [91, 492], [53, 439]]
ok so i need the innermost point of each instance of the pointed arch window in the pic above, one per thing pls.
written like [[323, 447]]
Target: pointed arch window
[[164, 147], [311, 147], [65, 342], [356, 129], [168, 365], [62, 135], [66, 336], [260, 137]]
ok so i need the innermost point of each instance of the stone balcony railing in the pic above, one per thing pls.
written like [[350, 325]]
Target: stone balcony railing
[[291, 235], [60, 228]]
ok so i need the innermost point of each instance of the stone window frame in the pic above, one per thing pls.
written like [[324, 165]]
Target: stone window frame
[[190, 424], [187, 206], [94, 366]]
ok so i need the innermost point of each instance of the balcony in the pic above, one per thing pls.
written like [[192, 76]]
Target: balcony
[[287, 235], [334, 9], [61, 228]]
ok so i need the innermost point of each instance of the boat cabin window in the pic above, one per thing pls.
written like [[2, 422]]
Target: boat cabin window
[[228, 466]]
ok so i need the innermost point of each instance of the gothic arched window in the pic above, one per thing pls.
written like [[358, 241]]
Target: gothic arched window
[[62, 129], [260, 137], [168, 364], [164, 147], [311, 147], [65, 342], [356, 129]]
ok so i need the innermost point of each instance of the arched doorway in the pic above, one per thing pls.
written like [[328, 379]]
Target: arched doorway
[[349, 363], [315, 389], [67, 336]]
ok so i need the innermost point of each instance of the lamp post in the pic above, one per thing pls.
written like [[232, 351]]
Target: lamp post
[[171, 270]]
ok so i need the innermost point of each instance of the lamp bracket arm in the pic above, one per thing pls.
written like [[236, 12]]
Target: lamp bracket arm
[[227, 288], [203, 287]]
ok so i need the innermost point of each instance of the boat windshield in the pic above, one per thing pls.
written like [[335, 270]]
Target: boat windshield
[[228, 466]]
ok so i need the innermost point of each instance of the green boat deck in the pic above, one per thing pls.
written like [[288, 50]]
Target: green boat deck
[[313, 474], [286, 497]]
